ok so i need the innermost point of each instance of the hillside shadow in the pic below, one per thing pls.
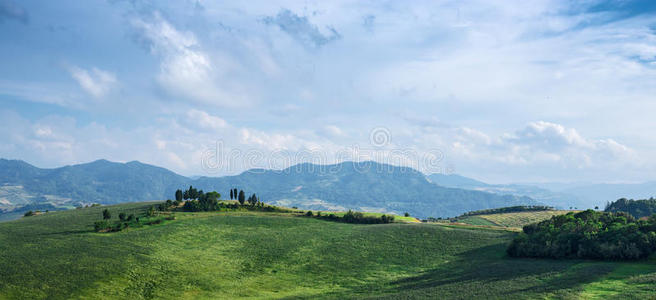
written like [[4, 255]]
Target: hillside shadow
[[487, 272], [65, 232]]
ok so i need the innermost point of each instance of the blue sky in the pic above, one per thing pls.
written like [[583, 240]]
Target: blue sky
[[507, 91]]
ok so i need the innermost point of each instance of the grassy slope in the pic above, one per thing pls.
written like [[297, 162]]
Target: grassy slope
[[515, 219], [226, 255]]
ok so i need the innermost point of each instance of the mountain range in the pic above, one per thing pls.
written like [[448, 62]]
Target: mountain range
[[367, 186], [560, 195]]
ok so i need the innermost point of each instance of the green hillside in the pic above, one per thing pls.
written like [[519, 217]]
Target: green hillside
[[274, 255]]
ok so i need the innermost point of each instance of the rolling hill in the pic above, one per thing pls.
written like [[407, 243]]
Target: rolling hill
[[222, 255], [367, 186]]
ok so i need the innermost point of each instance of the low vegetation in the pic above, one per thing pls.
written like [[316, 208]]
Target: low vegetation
[[637, 208], [587, 234]]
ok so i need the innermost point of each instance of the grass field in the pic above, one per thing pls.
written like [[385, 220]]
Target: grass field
[[514, 219], [259, 255]]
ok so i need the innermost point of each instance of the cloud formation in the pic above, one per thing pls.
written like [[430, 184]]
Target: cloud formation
[[185, 70], [96, 82], [301, 29], [471, 79]]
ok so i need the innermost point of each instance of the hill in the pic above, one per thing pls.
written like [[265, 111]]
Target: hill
[[366, 186], [228, 255]]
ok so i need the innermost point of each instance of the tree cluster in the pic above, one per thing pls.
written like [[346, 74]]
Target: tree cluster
[[197, 200], [587, 234], [150, 217], [637, 208]]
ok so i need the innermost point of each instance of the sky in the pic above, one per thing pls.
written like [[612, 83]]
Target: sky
[[502, 91]]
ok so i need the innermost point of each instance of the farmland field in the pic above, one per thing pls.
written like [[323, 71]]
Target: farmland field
[[513, 219], [276, 255]]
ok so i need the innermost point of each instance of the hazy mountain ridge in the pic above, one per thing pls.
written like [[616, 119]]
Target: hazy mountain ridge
[[366, 185], [565, 195]]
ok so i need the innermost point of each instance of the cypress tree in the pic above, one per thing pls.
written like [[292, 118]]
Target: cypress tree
[[242, 197]]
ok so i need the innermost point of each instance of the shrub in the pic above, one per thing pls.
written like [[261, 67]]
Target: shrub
[[28, 214], [121, 216], [309, 213], [106, 214], [101, 225]]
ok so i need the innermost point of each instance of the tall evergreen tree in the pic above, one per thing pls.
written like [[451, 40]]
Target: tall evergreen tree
[[178, 195], [242, 197], [252, 200], [231, 197]]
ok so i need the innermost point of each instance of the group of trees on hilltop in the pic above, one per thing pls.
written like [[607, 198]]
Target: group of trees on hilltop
[[587, 234], [637, 208], [509, 209], [197, 200]]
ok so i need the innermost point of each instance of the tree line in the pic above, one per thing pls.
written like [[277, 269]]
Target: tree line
[[587, 234], [637, 208], [509, 209], [352, 217]]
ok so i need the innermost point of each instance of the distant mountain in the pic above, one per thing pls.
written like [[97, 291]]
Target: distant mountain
[[100, 181], [456, 181], [546, 196], [364, 186], [602, 193]]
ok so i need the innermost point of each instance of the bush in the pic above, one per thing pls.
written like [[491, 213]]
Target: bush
[[121, 216], [28, 214], [309, 213], [101, 225]]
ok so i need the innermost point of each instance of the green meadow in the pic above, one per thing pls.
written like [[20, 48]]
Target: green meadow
[[225, 255]]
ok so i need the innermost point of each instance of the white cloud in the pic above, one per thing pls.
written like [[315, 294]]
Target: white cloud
[[204, 120], [186, 70], [97, 83]]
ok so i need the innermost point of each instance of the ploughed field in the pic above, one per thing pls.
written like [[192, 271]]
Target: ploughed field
[[512, 219], [58, 255]]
